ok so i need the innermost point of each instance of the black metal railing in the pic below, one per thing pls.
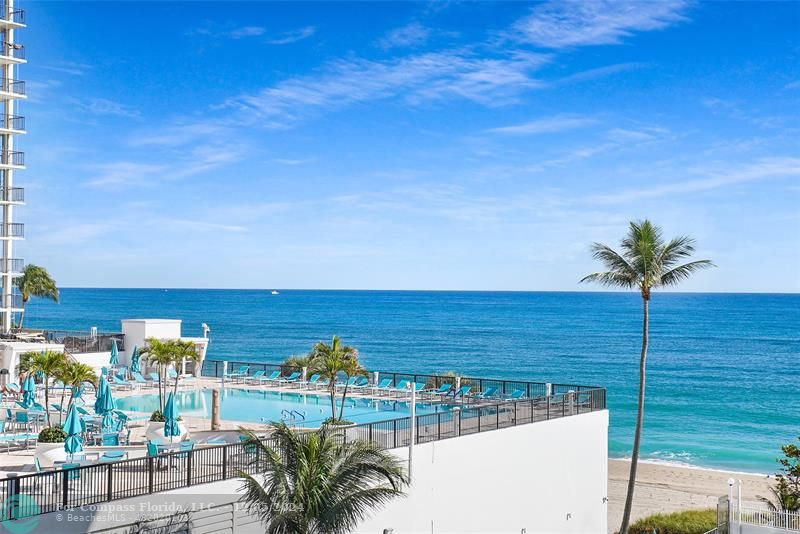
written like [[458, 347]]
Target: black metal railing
[[12, 122], [15, 15], [91, 484], [12, 194], [15, 50], [12, 265], [16, 87], [12, 230], [78, 341], [12, 157], [504, 386]]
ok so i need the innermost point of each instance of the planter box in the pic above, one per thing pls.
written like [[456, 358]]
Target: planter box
[[48, 453], [155, 431]]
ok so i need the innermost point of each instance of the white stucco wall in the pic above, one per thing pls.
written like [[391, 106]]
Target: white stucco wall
[[548, 477]]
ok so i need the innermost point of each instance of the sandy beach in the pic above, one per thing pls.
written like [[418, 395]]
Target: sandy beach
[[666, 488]]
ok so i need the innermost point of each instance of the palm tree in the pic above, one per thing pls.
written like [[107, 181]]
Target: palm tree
[[182, 350], [48, 363], [645, 263], [75, 375], [159, 353], [312, 483], [35, 282], [331, 360]]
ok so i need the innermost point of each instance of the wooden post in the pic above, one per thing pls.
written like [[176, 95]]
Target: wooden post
[[215, 409]]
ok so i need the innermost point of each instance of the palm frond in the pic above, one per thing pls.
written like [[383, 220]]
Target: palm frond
[[680, 273], [611, 279]]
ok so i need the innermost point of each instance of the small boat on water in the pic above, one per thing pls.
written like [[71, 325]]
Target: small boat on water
[[275, 292]]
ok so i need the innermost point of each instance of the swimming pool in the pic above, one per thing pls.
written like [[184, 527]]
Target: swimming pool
[[259, 406]]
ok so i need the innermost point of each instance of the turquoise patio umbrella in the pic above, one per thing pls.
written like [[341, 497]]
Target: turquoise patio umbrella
[[107, 409], [171, 427], [72, 426], [114, 353], [29, 392], [135, 360], [102, 387]]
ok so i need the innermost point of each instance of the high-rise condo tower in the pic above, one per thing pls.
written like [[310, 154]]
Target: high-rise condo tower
[[12, 124]]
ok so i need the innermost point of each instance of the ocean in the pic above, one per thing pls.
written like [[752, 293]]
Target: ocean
[[723, 373]]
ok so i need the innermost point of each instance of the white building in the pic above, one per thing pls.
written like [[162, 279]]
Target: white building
[[12, 124]]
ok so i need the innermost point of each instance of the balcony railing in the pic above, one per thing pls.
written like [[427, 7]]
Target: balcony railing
[[12, 230], [12, 122], [11, 301], [16, 87], [78, 341], [15, 15], [12, 265], [12, 194], [12, 157], [15, 50]]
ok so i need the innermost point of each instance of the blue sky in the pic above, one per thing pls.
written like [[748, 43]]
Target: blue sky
[[407, 145]]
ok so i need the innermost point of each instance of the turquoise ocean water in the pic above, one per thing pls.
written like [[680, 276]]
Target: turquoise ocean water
[[724, 369]]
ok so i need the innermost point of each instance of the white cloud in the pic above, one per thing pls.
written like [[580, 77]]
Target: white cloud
[[556, 123], [246, 31], [712, 178], [103, 106], [792, 85], [68, 67], [205, 225], [413, 34], [567, 23], [293, 36], [123, 172], [418, 78]]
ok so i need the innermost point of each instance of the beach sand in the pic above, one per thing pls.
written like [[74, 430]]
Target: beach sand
[[666, 488]]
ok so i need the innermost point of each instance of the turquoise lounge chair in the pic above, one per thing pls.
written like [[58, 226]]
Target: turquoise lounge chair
[[112, 456], [142, 381], [350, 382], [256, 378], [361, 383], [442, 390], [311, 382], [401, 388], [273, 377], [486, 394], [384, 385], [517, 394], [463, 391], [289, 379]]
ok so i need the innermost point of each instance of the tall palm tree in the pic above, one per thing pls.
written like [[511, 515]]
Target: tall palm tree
[[158, 353], [329, 361], [35, 282], [48, 363], [312, 483], [645, 262], [74, 375], [182, 350]]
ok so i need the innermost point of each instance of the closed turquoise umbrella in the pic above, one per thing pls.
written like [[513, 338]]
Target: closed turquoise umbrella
[[29, 392], [135, 360], [114, 353], [171, 427], [107, 409], [72, 426], [101, 390]]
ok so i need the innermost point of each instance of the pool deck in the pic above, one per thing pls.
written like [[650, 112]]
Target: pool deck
[[21, 461]]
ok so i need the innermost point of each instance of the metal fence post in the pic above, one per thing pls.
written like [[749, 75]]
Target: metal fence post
[[439, 425], [150, 474], [189, 467], [65, 487], [13, 491], [110, 481], [394, 430], [224, 462]]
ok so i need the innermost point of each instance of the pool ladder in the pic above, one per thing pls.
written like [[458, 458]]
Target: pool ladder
[[292, 415]]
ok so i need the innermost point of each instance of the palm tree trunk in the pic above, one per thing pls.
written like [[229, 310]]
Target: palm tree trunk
[[22, 314], [47, 398], [626, 516], [61, 413], [332, 387], [344, 396], [160, 396]]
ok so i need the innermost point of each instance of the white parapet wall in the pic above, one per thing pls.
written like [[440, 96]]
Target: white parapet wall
[[545, 477]]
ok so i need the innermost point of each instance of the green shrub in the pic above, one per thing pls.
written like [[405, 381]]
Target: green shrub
[[686, 522], [157, 417], [332, 421], [52, 434]]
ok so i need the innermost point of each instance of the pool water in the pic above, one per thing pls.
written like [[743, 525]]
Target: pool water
[[259, 406]]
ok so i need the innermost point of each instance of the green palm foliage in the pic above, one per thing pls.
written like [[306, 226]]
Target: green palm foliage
[[48, 363], [74, 375], [786, 491], [163, 353], [312, 483], [331, 361], [645, 262], [35, 282]]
